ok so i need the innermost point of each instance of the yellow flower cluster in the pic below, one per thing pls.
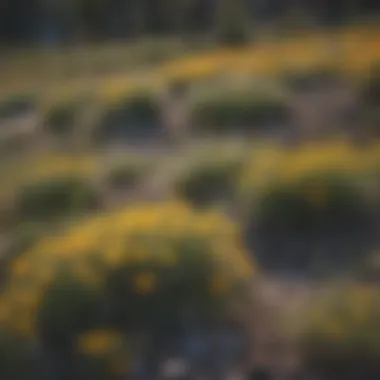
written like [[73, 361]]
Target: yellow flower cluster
[[140, 234]]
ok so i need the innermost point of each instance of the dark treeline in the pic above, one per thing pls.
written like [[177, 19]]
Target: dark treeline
[[60, 21]]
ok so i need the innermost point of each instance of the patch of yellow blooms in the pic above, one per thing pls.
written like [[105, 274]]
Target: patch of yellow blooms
[[139, 234]]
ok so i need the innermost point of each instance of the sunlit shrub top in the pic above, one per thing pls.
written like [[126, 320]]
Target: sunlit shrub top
[[141, 234], [273, 163], [47, 167]]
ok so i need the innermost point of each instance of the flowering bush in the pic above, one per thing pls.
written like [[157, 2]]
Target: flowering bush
[[139, 269], [315, 200]]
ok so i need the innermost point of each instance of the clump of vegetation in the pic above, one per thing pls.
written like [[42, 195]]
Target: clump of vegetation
[[137, 270], [340, 334], [54, 198], [134, 116], [60, 120], [209, 181], [234, 109], [17, 106], [307, 209]]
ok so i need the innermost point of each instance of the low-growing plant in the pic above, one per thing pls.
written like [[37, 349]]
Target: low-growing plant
[[140, 270], [54, 198], [234, 110], [339, 336], [309, 209], [210, 181], [136, 116], [60, 120], [17, 106]]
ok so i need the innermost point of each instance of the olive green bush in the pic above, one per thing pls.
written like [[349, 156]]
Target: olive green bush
[[209, 182], [139, 270], [16, 106], [56, 197], [311, 209], [60, 120], [136, 116], [326, 210], [339, 333], [238, 110]]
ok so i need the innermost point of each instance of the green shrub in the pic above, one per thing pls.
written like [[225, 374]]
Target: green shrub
[[339, 336], [231, 109], [60, 120], [53, 198], [68, 307], [135, 117], [209, 182], [17, 106], [140, 270], [318, 224]]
